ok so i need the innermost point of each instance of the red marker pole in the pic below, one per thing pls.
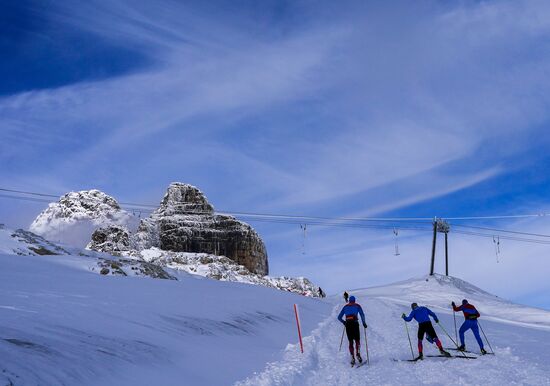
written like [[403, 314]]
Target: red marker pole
[[299, 328]]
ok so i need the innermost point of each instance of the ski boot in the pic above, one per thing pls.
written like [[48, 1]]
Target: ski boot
[[419, 357], [359, 358], [483, 352], [461, 348], [444, 353], [352, 361]]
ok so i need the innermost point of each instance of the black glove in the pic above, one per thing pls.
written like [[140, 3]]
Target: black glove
[[453, 304], [403, 315], [364, 324], [437, 320]]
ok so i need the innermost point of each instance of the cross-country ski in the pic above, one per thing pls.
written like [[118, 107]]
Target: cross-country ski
[[469, 352], [451, 356]]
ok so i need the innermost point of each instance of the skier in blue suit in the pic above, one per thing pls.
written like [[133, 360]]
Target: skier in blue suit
[[422, 316], [351, 321], [470, 323]]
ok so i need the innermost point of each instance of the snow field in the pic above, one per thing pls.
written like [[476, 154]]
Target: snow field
[[61, 324], [522, 352]]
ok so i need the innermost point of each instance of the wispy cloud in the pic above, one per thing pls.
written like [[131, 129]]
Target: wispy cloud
[[392, 122], [355, 109]]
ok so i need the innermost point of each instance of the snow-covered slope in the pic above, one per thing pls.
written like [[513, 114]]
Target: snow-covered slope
[[519, 335], [64, 325], [21, 242], [25, 243]]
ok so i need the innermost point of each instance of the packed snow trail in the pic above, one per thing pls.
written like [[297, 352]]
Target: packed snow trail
[[522, 350]]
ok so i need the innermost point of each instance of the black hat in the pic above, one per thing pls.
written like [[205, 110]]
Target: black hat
[[414, 305]]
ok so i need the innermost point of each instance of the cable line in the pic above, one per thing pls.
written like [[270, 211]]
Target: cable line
[[350, 222], [504, 237], [31, 193], [303, 217], [501, 230]]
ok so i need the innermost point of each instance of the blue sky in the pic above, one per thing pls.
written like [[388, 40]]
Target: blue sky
[[368, 109]]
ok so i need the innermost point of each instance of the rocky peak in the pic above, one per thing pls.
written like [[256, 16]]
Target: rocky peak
[[77, 214], [185, 222], [184, 199], [92, 203]]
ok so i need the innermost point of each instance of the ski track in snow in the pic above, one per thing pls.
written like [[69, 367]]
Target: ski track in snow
[[322, 364]]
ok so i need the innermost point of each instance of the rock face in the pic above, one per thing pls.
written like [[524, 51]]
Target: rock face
[[113, 239], [186, 222]]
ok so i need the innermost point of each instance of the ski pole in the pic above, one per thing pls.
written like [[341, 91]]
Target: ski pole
[[408, 335], [454, 317], [366, 345], [485, 336], [452, 340], [342, 338]]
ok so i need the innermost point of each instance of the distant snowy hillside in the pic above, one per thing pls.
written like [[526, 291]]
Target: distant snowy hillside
[[76, 215], [152, 262], [21, 242], [25, 243], [64, 325], [519, 335]]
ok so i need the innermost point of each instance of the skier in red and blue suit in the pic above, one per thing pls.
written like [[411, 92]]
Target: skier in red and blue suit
[[470, 323], [422, 316], [351, 322]]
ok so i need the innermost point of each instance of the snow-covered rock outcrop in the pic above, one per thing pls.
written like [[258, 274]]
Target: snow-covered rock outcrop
[[76, 215], [116, 241], [183, 233], [186, 222], [220, 268]]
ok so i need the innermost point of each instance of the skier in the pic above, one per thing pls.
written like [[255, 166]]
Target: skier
[[346, 296], [321, 293], [422, 316], [351, 322], [470, 322]]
